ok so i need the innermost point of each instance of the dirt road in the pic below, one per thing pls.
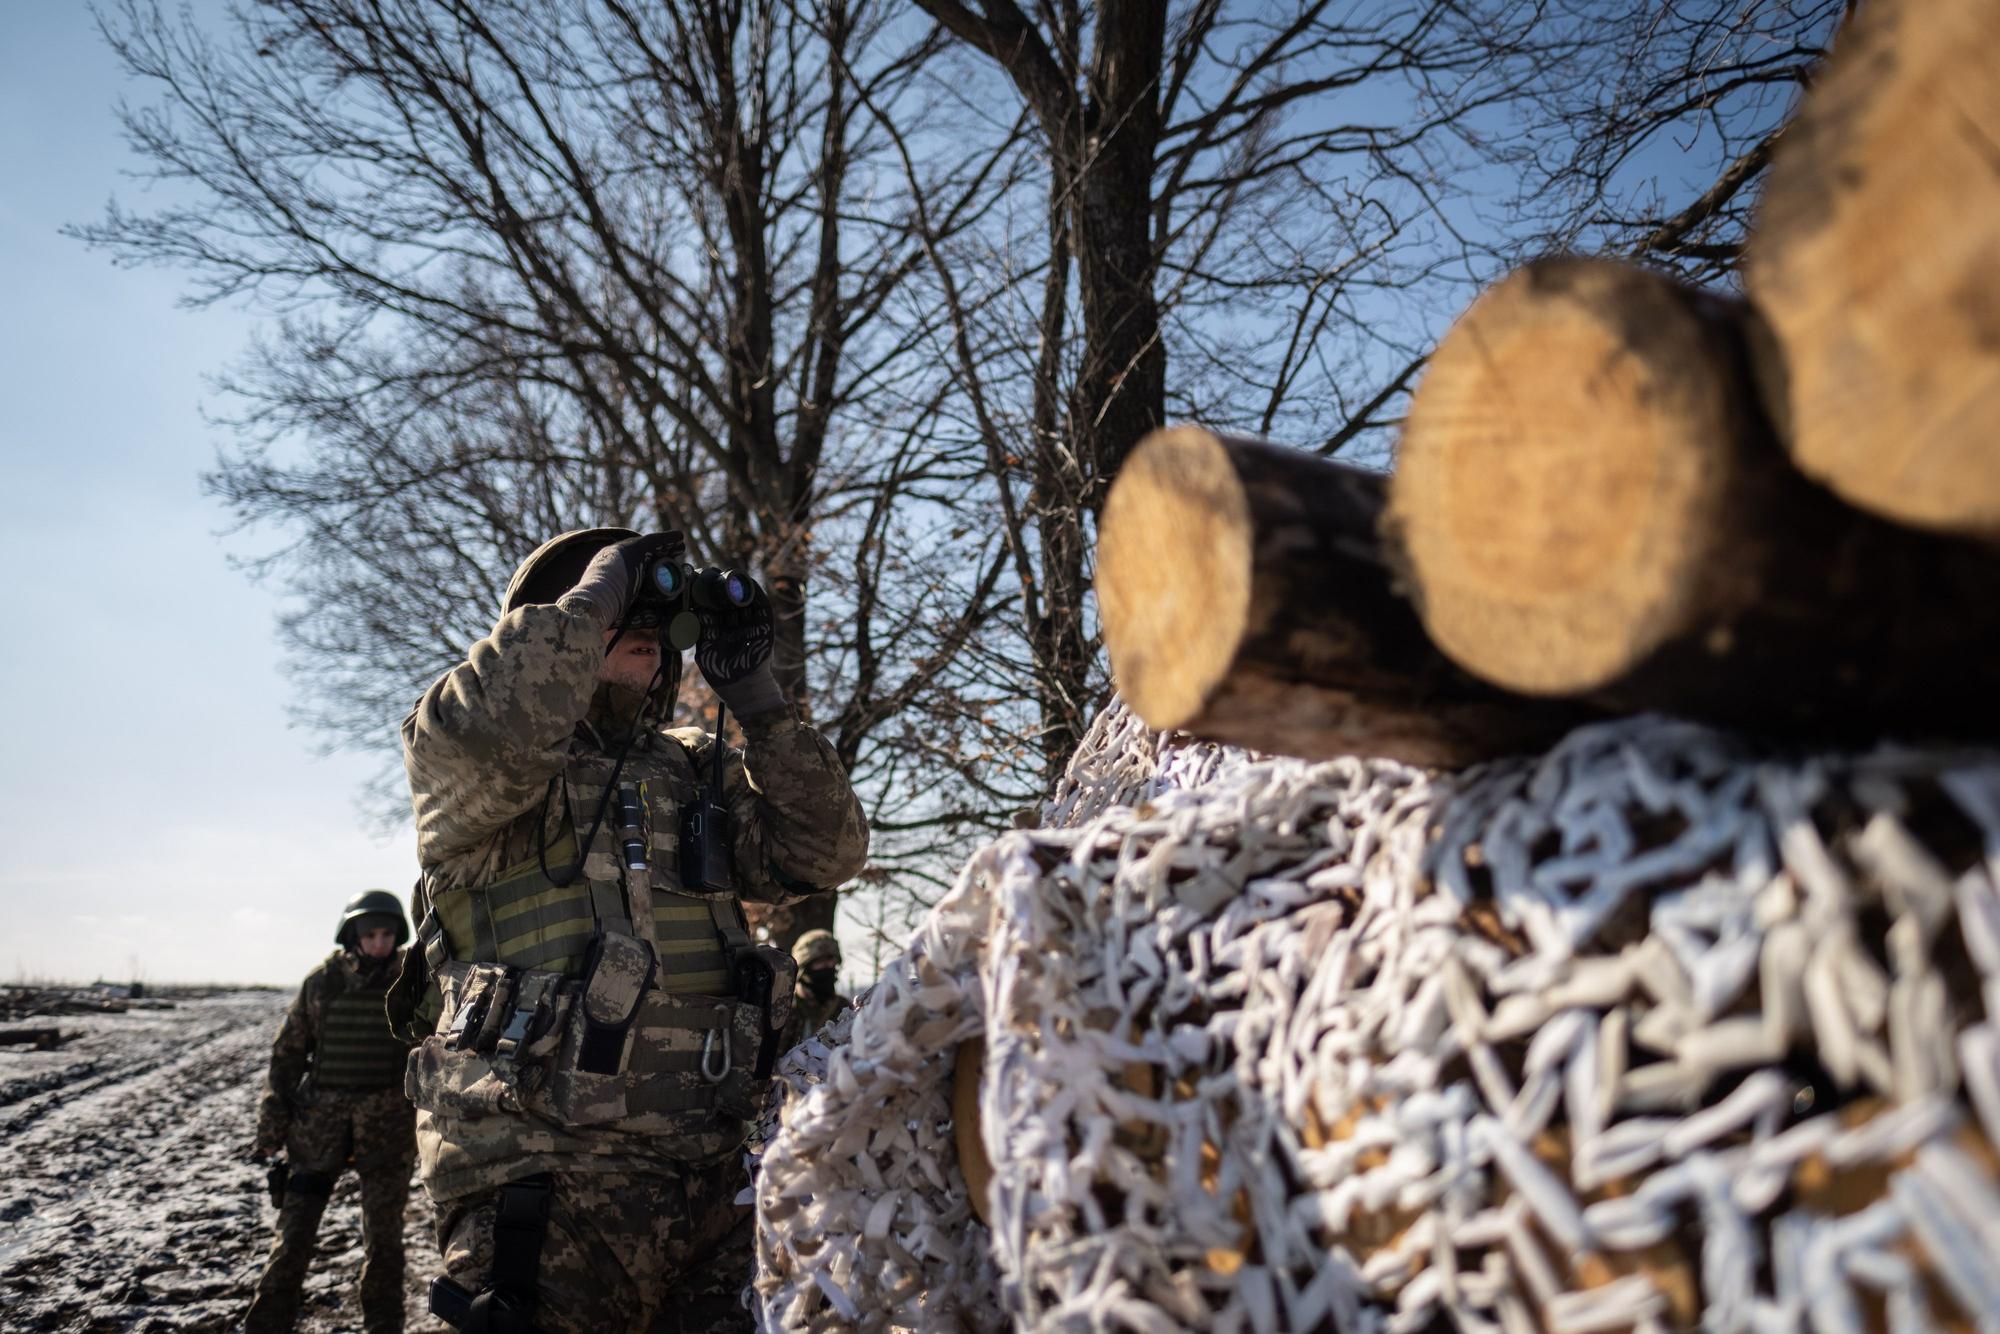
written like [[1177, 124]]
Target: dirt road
[[125, 1201]]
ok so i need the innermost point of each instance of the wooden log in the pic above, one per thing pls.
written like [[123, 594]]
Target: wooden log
[[1246, 598], [973, 1164], [1592, 505], [1876, 259], [41, 1039]]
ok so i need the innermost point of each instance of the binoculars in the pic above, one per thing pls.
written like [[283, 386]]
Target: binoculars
[[671, 592]]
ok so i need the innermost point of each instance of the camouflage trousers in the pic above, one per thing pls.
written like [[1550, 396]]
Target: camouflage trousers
[[375, 1133], [623, 1251]]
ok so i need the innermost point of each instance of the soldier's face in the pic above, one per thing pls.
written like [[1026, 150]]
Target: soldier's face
[[632, 661], [379, 943]]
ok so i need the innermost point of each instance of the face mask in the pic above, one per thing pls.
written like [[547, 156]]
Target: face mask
[[820, 982]]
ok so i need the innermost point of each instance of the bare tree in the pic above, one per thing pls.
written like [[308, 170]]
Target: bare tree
[[548, 264], [1206, 199], [1288, 203]]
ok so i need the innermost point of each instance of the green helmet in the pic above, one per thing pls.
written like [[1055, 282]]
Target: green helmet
[[371, 903], [813, 947], [553, 568]]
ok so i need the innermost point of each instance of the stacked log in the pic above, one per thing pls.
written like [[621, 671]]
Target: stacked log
[[1592, 506], [1246, 597], [1876, 261], [1616, 493]]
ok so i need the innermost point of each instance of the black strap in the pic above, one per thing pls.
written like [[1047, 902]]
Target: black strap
[[520, 1221], [726, 912], [507, 1304]]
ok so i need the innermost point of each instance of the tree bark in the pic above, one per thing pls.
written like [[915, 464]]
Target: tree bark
[[1593, 506], [1246, 598], [1121, 385], [1876, 259]]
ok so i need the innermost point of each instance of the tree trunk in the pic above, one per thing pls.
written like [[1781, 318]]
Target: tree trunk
[[1103, 132], [1061, 648], [1120, 391], [1592, 506], [1245, 598], [1876, 260]]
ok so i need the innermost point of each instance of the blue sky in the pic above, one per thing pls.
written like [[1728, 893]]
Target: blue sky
[[155, 806]]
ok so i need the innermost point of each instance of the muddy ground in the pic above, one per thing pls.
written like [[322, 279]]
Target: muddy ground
[[126, 1201]]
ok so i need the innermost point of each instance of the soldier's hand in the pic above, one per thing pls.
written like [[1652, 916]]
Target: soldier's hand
[[612, 577], [734, 654]]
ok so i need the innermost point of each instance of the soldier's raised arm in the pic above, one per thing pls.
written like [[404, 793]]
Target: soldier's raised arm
[[625, 1016], [798, 826]]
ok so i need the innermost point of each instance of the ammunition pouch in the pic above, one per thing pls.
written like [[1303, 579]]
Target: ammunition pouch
[[766, 977], [607, 1051], [616, 975], [492, 1012]]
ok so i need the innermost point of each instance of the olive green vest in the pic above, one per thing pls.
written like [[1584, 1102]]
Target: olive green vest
[[524, 918], [355, 1049]]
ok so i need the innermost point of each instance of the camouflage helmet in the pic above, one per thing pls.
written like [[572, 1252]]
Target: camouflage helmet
[[815, 947], [371, 903], [553, 568]]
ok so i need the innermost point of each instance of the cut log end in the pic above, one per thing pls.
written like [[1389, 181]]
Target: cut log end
[[1246, 598], [1877, 263], [1560, 478], [1174, 573], [973, 1163]]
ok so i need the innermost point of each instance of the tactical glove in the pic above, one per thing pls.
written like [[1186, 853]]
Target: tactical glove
[[734, 654], [612, 577]]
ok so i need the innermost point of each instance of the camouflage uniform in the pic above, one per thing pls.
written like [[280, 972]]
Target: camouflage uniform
[[510, 755], [325, 1117], [815, 950]]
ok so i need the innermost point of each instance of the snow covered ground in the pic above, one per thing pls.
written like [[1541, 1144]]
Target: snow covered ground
[[125, 1199]]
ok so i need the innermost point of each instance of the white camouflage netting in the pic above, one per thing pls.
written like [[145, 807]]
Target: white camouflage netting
[[1648, 1032]]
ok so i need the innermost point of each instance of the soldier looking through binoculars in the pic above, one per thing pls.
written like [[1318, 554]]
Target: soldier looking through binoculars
[[598, 1023]]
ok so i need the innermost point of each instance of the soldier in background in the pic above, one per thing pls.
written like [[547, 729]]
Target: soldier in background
[[816, 999], [334, 1099], [602, 1025]]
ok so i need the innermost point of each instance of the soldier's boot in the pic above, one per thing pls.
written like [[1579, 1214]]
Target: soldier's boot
[[275, 1309], [385, 1199]]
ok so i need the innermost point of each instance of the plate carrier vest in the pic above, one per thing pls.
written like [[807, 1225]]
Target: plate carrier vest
[[606, 1002], [354, 1048]]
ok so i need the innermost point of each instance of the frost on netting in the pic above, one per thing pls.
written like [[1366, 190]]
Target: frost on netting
[[1650, 1031]]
